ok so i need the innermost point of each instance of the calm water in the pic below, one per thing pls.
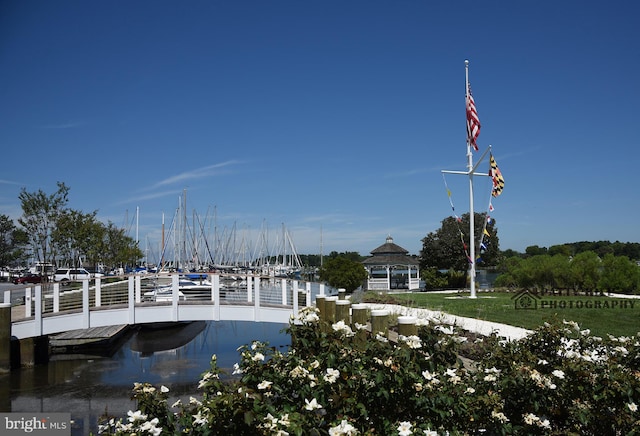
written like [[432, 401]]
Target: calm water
[[90, 386]]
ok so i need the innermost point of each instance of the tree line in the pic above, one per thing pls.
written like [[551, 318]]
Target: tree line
[[50, 232], [585, 272]]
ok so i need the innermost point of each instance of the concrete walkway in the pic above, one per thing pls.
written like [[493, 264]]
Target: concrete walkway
[[485, 328]]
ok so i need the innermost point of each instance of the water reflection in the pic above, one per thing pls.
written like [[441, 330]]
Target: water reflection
[[89, 386]]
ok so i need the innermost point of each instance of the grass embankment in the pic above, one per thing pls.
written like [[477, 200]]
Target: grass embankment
[[600, 314]]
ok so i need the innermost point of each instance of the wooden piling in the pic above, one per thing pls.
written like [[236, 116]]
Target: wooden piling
[[407, 326], [379, 322], [5, 337], [342, 311], [330, 309], [320, 304]]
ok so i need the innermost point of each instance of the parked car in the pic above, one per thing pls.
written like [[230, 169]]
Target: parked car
[[28, 278], [71, 274]]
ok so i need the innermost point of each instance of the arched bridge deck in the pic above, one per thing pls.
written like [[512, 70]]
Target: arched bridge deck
[[50, 308]]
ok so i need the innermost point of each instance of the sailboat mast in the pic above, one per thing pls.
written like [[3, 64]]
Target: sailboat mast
[[472, 239]]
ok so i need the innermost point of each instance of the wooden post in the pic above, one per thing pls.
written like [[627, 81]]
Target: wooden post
[[407, 326], [330, 309], [342, 294], [342, 311], [379, 322], [320, 304], [5, 337], [359, 314]]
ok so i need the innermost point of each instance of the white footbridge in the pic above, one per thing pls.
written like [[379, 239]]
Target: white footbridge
[[51, 308]]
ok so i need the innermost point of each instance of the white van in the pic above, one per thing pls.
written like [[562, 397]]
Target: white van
[[71, 274]]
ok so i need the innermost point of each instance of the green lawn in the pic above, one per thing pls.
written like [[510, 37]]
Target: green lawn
[[602, 315]]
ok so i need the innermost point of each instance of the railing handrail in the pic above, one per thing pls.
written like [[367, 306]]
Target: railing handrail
[[93, 300]]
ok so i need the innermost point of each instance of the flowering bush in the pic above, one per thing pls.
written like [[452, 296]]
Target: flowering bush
[[338, 380]]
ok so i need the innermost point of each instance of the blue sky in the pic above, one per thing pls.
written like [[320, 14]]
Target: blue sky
[[332, 115]]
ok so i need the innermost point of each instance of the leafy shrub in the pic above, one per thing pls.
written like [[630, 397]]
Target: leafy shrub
[[338, 380]]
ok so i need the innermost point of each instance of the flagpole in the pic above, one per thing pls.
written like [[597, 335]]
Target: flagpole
[[472, 240]]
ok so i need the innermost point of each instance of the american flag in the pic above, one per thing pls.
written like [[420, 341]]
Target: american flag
[[473, 122]]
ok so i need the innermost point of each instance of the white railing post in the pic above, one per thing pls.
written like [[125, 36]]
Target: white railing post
[[295, 297], [98, 286], [283, 286], [85, 304], [216, 296], [7, 297], [308, 287], [38, 310], [321, 291], [27, 302], [138, 289], [56, 297], [256, 287], [249, 280], [131, 300], [175, 296]]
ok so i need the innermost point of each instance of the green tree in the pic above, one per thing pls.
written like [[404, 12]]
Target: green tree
[[342, 272], [12, 242], [618, 274], [119, 249], [585, 270], [445, 248], [40, 214], [74, 235]]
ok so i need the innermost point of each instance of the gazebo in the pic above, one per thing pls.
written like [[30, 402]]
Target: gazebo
[[390, 267]]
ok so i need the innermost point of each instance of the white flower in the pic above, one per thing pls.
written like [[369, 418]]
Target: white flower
[[470, 391], [544, 424], [632, 406], [265, 385], [430, 433], [315, 364], [258, 357], [312, 405], [343, 429], [404, 429], [236, 369], [428, 375], [542, 362], [284, 420], [531, 419], [136, 416], [558, 373], [164, 389], [499, 416], [332, 375], [381, 337], [412, 341], [198, 419], [343, 328]]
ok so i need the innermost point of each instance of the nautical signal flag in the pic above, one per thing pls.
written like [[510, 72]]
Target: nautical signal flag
[[473, 122], [496, 176]]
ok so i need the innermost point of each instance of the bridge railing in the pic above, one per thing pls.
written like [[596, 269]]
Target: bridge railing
[[160, 289]]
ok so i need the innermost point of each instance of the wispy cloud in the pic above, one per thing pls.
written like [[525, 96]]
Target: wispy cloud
[[9, 182], [197, 173], [139, 198]]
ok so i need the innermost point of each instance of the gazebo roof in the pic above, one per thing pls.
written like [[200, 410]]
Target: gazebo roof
[[390, 254]]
